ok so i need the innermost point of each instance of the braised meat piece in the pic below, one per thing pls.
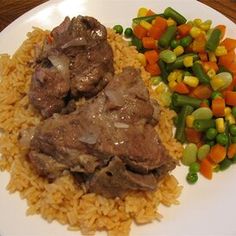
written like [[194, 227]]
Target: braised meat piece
[[76, 60], [109, 142]]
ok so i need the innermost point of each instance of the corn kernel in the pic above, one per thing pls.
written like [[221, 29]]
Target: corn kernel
[[191, 81], [172, 76], [142, 59], [172, 84], [217, 83], [188, 61], [205, 26], [179, 76], [161, 87], [220, 125], [170, 22], [145, 24], [189, 121], [179, 50], [142, 12], [212, 56], [230, 118], [211, 73], [195, 31], [197, 22], [220, 51], [227, 111]]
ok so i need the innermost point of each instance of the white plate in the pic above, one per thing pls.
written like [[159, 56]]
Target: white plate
[[207, 208]]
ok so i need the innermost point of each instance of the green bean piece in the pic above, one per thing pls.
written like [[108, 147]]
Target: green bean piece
[[138, 43], [225, 164], [166, 38], [164, 72], [128, 33], [118, 29], [171, 13], [180, 128], [203, 125], [146, 18], [200, 73], [185, 41], [181, 100], [179, 63], [192, 178], [213, 40]]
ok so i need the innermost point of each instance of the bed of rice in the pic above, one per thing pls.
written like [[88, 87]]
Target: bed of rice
[[63, 200]]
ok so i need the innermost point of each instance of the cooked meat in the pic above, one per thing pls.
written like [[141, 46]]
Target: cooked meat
[[76, 60], [110, 140]]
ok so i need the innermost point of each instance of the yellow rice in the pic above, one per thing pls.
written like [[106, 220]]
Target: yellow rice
[[63, 200]]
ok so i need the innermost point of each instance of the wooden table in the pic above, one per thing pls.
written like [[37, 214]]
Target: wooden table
[[12, 9]]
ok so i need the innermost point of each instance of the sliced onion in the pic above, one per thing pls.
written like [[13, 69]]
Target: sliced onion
[[121, 125], [76, 42], [26, 136], [115, 98], [61, 62], [89, 138]]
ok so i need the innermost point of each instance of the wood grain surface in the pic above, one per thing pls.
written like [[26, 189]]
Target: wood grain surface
[[12, 9]]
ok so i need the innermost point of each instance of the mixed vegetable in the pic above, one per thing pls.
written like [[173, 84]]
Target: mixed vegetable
[[193, 68]]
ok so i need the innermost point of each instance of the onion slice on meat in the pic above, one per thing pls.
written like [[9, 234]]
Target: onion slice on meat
[[76, 42], [61, 62], [121, 125]]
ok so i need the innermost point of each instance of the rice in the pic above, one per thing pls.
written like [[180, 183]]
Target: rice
[[63, 200]]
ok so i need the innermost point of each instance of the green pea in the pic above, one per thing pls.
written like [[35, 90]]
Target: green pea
[[156, 80], [194, 167], [167, 56], [174, 43], [137, 43], [225, 164], [215, 94], [118, 29], [232, 129], [203, 151], [222, 139], [189, 154], [211, 143], [233, 139], [192, 178], [211, 133], [128, 33], [184, 42], [233, 111]]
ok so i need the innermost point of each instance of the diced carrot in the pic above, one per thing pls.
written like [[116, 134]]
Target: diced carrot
[[202, 91], [218, 107], [184, 29], [203, 56], [150, 13], [217, 153], [231, 150], [161, 23], [207, 65], [181, 88], [232, 67], [140, 31], [206, 168], [227, 59], [151, 56], [153, 69], [149, 43], [222, 28], [155, 32], [193, 136], [230, 98], [230, 44]]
